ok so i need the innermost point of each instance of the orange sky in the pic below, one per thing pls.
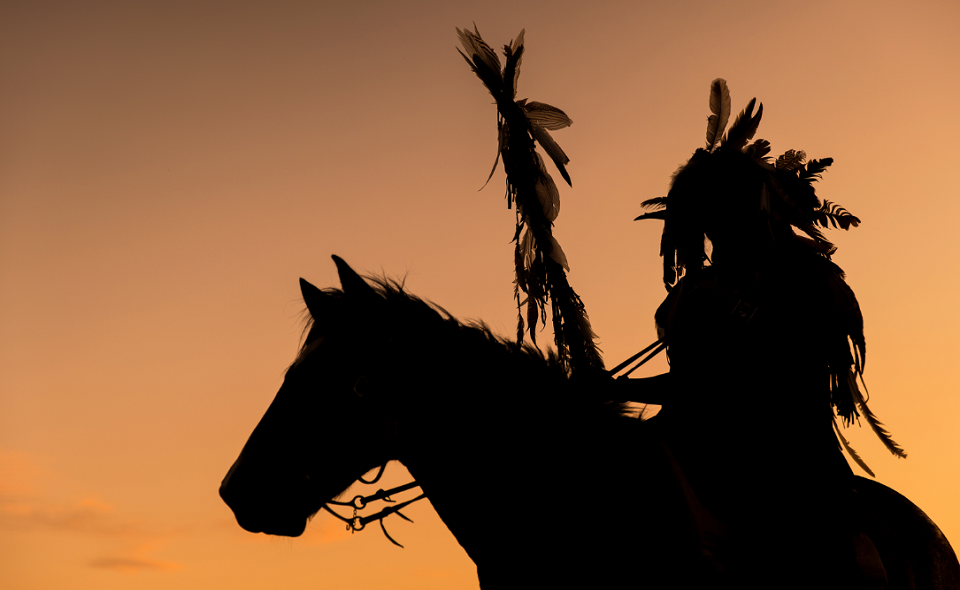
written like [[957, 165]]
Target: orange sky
[[168, 171]]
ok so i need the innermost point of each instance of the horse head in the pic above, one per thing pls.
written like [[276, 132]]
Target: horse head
[[329, 423]]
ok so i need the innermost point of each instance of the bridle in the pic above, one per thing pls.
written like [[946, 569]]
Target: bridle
[[356, 522]]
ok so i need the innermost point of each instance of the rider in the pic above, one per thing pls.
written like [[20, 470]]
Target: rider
[[765, 342]]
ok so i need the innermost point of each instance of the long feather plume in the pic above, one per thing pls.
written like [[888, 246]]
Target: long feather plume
[[720, 107], [850, 451], [539, 261], [872, 420]]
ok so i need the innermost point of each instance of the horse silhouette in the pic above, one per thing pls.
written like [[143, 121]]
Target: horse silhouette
[[543, 478]]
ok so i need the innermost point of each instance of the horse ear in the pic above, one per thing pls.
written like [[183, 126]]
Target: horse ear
[[352, 283], [313, 297]]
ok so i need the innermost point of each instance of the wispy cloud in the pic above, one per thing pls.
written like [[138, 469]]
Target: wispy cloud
[[25, 505], [133, 565]]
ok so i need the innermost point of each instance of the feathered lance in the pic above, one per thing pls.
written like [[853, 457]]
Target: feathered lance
[[538, 259]]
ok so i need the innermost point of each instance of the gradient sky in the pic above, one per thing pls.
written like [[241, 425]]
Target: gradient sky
[[169, 169]]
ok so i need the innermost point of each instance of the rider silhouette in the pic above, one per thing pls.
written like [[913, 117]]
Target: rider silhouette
[[765, 342]]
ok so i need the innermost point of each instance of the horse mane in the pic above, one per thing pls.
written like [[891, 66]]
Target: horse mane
[[534, 377]]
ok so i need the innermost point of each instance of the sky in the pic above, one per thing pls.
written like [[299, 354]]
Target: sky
[[168, 170]]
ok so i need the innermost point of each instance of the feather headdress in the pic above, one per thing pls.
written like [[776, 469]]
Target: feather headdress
[[539, 260], [732, 195]]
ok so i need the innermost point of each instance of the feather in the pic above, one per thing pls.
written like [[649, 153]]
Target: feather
[[527, 248], [853, 454], [744, 127], [758, 150], [858, 360], [483, 61], [533, 313], [790, 160], [521, 273], [720, 107], [511, 71], [516, 50], [518, 42], [553, 150], [846, 304], [872, 420], [661, 214], [546, 116], [658, 202], [547, 194], [832, 214], [476, 46], [501, 143], [556, 253], [814, 169], [821, 246]]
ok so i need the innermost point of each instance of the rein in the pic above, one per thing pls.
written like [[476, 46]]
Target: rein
[[659, 345], [358, 523]]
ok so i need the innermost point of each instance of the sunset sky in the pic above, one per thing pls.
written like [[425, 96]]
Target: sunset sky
[[169, 169]]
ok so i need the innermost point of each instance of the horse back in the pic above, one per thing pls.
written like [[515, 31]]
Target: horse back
[[914, 550]]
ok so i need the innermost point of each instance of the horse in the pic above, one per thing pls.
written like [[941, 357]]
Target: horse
[[545, 479]]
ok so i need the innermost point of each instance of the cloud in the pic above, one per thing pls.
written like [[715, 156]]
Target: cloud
[[87, 515], [26, 506], [133, 565]]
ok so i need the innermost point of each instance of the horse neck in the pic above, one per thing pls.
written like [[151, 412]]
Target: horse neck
[[504, 477], [486, 482]]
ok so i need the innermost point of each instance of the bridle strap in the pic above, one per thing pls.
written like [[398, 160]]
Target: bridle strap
[[377, 477], [659, 345], [360, 502]]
